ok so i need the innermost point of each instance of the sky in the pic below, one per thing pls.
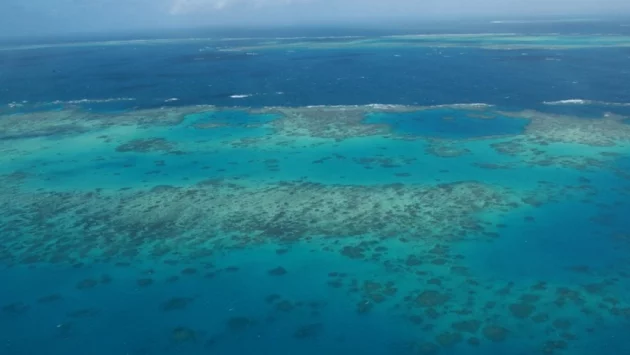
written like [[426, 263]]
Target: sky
[[38, 17]]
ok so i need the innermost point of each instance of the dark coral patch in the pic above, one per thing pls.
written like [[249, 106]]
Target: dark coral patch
[[473, 341], [285, 306], [376, 297], [371, 286], [237, 324], [522, 310], [279, 271], [86, 284], [427, 349], [16, 308], [540, 318], [530, 298], [432, 313], [183, 335], [176, 303], [415, 319], [50, 298], [364, 306], [272, 298], [495, 333], [144, 282], [84, 313], [431, 298], [470, 326], [146, 145], [413, 260], [552, 346], [308, 330], [448, 339], [335, 283], [562, 324], [353, 252], [189, 271]]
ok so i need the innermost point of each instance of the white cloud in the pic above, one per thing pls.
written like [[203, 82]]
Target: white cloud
[[191, 6]]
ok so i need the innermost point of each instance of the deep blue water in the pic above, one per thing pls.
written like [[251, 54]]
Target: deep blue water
[[422, 76], [126, 236]]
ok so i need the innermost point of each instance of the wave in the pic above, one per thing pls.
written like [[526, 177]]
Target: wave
[[451, 35], [385, 106], [240, 96], [567, 102], [90, 101], [585, 102], [471, 105], [402, 107], [16, 104], [287, 38], [568, 20], [171, 99]]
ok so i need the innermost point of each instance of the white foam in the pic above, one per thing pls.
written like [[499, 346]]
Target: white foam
[[567, 20], [567, 102], [171, 99], [384, 106], [283, 38], [16, 104], [586, 102], [86, 101], [240, 96], [471, 105], [397, 107]]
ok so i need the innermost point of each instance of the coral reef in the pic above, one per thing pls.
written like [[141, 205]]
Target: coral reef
[[117, 224], [409, 237], [146, 145]]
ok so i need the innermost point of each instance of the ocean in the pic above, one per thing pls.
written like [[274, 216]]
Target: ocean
[[445, 190]]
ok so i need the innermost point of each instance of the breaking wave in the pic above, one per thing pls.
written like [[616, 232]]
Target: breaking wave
[[91, 101], [395, 106], [585, 102]]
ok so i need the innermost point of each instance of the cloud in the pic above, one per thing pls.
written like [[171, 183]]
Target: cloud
[[180, 7]]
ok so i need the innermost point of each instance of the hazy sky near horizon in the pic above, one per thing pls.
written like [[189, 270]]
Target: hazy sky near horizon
[[34, 17]]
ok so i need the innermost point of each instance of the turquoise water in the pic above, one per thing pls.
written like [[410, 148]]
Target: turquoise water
[[210, 269], [264, 225]]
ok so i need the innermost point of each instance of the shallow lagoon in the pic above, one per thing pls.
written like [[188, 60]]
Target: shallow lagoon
[[448, 123]]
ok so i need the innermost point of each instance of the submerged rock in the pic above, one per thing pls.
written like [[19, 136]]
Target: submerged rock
[[183, 335], [308, 330], [431, 298], [176, 303], [495, 333], [279, 271]]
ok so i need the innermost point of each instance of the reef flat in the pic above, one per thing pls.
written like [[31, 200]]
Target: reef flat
[[491, 40]]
